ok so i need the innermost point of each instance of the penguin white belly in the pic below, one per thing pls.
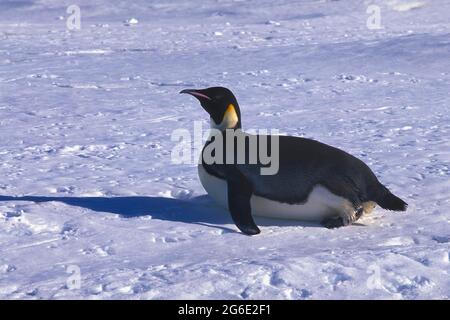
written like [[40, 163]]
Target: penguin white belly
[[321, 203]]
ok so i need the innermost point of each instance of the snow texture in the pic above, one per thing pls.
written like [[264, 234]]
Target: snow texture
[[88, 187]]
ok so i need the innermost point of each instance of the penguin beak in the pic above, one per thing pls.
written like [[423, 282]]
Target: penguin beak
[[196, 93]]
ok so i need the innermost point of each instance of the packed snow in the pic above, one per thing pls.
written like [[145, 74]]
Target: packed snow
[[92, 205]]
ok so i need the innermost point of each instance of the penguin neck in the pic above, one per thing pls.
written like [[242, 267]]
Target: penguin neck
[[231, 119], [225, 125], [222, 127]]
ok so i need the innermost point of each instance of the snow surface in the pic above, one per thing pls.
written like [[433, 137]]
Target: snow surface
[[86, 118]]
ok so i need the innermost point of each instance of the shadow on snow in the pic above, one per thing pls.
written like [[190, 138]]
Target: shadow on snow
[[198, 210]]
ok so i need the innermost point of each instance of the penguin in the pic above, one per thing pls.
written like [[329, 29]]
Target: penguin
[[314, 181]]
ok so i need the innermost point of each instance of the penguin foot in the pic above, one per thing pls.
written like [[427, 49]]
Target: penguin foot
[[341, 221], [333, 222]]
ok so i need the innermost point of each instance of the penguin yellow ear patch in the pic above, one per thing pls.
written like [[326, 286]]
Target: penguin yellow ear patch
[[230, 117]]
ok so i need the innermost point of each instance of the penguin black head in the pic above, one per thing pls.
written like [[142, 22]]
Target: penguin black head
[[221, 104]]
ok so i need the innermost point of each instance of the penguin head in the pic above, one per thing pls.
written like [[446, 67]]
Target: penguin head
[[221, 104]]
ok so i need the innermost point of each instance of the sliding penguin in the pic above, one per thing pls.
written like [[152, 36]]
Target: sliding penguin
[[314, 181]]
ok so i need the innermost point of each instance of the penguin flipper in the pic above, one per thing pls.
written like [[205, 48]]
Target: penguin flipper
[[239, 194]]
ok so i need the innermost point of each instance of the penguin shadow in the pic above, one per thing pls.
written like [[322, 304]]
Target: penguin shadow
[[200, 210]]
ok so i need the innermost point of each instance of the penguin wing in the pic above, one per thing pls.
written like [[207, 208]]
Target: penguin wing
[[239, 193]]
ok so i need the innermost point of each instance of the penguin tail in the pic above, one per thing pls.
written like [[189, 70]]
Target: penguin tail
[[389, 201]]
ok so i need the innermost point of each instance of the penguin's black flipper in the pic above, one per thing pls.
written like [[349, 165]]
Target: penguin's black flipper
[[239, 194]]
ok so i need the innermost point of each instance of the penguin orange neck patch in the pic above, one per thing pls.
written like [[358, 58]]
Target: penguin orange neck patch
[[230, 118]]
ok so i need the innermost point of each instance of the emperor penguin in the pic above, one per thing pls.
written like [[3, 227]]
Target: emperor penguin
[[313, 181]]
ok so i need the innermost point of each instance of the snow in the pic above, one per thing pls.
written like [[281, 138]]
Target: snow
[[88, 188]]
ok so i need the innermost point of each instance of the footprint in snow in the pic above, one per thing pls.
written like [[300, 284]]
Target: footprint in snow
[[68, 230], [14, 214], [441, 239], [7, 268], [99, 251], [167, 239]]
